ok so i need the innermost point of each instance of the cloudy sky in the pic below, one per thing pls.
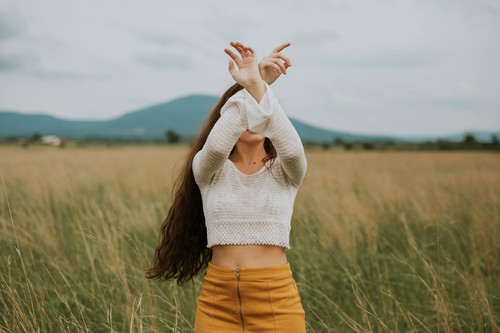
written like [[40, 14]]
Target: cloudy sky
[[428, 67]]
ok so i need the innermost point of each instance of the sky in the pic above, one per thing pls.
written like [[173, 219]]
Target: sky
[[428, 67]]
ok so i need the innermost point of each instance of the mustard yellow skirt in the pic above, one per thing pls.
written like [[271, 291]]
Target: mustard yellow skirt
[[249, 299]]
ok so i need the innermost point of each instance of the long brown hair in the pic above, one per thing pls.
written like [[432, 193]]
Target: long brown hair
[[182, 246]]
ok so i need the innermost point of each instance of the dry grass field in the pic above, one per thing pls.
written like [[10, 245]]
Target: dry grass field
[[380, 241]]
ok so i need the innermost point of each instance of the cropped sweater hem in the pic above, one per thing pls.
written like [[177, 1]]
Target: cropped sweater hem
[[241, 233]]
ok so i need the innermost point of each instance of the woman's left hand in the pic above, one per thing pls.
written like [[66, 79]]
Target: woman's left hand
[[248, 73], [271, 67]]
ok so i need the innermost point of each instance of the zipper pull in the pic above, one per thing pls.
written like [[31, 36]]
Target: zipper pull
[[237, 272]]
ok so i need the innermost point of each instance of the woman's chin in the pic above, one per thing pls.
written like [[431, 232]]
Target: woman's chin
[[249, 136]]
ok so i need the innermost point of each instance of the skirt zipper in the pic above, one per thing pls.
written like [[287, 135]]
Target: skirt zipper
[[239, 297]]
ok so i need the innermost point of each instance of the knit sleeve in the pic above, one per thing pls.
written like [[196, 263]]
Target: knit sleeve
[[269, 120], [220, 141]]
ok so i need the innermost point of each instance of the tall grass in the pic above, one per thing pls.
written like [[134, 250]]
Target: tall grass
[[381, 241]]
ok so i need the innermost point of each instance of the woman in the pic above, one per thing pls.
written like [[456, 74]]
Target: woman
[[233, 210]]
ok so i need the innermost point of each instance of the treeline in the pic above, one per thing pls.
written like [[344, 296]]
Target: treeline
[[170, 136], [469, 142]]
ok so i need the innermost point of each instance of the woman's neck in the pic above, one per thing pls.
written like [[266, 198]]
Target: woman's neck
[[246, 154]]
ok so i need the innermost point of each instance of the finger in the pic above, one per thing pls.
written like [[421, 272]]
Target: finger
[[237, 46], [272, 64], [281, 47], [279, 63], [247, 48], [275, 62], [232, 70], [233, 56], [283, 57]]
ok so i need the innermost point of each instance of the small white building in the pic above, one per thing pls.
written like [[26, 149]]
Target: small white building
[[52, 140]]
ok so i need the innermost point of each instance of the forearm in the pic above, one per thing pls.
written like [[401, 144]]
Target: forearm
[[219, 143], [257, 89], [288, 145]]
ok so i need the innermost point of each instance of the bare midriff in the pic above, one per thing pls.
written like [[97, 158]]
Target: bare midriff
[[248, 255]]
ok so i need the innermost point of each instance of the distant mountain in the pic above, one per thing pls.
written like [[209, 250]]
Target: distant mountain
[[184, 115]]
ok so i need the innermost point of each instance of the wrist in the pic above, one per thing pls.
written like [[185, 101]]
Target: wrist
[[263, 76], [257, 90], [267, 80], [255, 84]]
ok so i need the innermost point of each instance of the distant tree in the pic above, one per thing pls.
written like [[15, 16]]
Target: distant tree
[[348, 145], [494, 140], [172, 136], [36, 137], [469, 139], [325, 145], [368, 145], [443, 144], [338, 141]]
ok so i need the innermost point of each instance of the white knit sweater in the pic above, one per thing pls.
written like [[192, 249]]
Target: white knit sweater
[[256, 208]]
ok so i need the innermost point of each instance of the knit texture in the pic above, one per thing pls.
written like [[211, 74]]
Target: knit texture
[[256, 208]]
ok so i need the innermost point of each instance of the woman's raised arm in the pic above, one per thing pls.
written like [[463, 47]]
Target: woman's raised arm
[[268, 119], [233, 121], [220, 141]]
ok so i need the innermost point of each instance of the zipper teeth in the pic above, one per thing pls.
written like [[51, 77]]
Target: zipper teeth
[[239, 297]]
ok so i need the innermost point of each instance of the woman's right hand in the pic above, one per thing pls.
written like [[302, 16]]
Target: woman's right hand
[[248, 74], [271, 67]]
